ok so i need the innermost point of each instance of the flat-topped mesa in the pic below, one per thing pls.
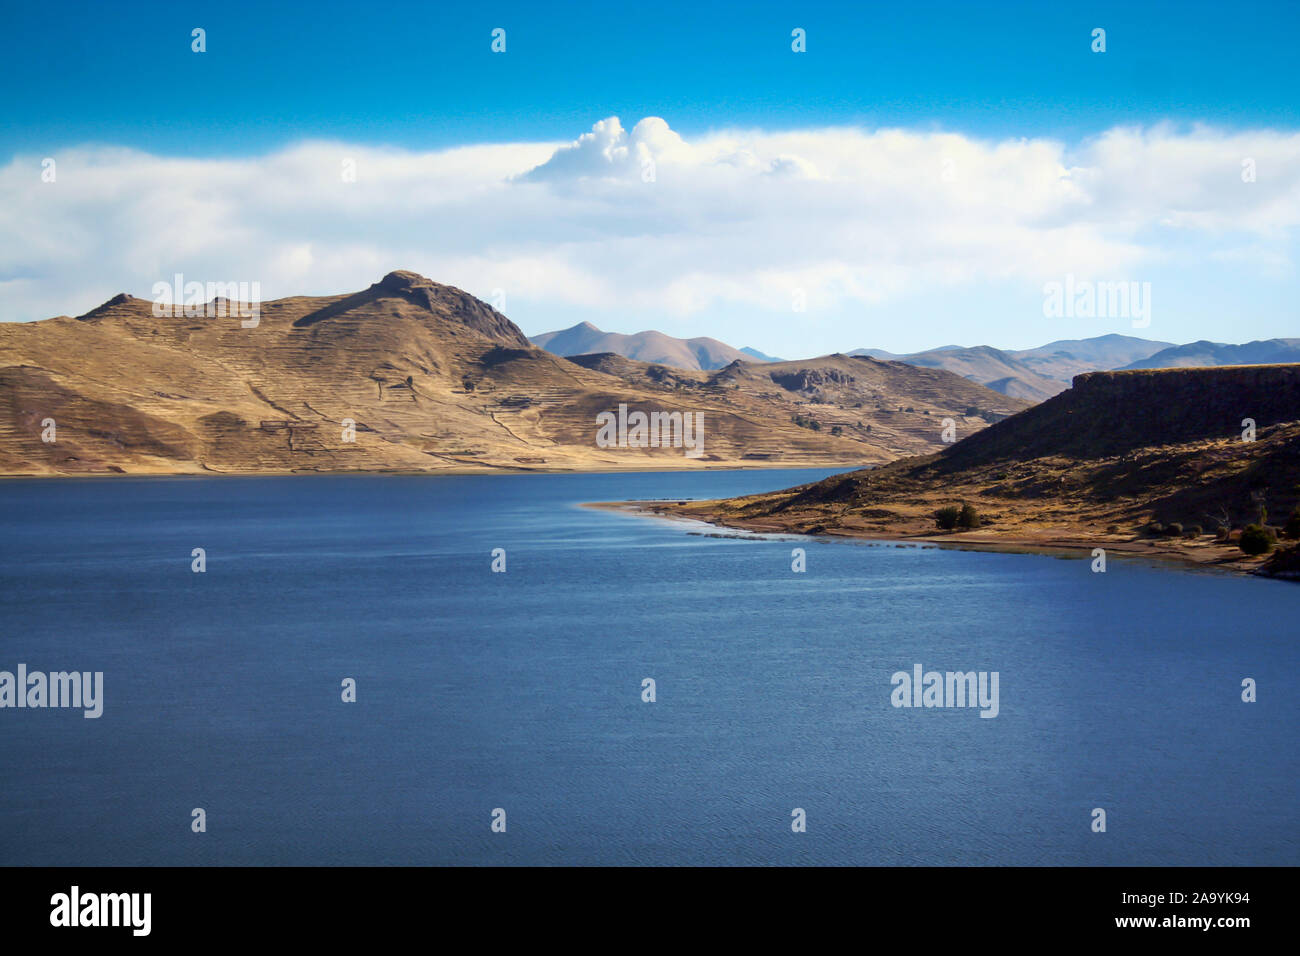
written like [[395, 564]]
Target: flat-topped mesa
[[1182, 404], [1111, 413], [1204, 379], [445, 301]]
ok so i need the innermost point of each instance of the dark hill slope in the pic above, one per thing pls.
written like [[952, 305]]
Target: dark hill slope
[[1108, 413], [1095, 464]]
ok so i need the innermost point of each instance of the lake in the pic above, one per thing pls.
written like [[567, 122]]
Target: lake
[[522, 690]]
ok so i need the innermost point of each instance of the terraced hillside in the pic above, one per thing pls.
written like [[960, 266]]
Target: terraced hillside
[[431, 379]]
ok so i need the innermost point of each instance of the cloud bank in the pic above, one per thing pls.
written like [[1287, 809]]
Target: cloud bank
[[646, 220]]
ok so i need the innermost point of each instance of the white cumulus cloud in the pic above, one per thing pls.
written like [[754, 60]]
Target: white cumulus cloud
[[648, 220]]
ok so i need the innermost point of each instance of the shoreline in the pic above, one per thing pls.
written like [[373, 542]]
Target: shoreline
[[1202, 556], [456, 471]]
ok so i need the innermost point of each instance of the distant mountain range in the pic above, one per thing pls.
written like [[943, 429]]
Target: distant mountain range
[[1034, 374], [1030, 374], [1038, 374], [1066, 358], [1201, 354], [988, 366]]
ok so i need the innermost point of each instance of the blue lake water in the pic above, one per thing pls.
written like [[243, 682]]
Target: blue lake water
[[479, 690]]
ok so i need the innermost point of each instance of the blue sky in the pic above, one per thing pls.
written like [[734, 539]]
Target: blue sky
[[420, 79], [421, 74]]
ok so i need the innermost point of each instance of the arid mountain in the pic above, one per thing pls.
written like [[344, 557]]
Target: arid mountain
[[1202, 354], [1095, 464], [431, 379], [889, 403], [655, 347]]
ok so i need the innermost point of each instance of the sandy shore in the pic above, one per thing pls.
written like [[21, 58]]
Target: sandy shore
[[484, 469], [1202, 552]]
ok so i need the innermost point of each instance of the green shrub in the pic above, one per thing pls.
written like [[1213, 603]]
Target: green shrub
[[1291, 529], [1155, 529], [1255, 540], [1174, 529], [1193, 531], [968, 517], [947, 517]]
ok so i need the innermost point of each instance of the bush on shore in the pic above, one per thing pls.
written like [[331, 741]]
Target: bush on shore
[[950, 517], [1256, 539], [947, 516]]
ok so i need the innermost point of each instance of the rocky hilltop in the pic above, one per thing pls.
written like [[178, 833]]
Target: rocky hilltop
[[412, 375], [1171, 461]]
